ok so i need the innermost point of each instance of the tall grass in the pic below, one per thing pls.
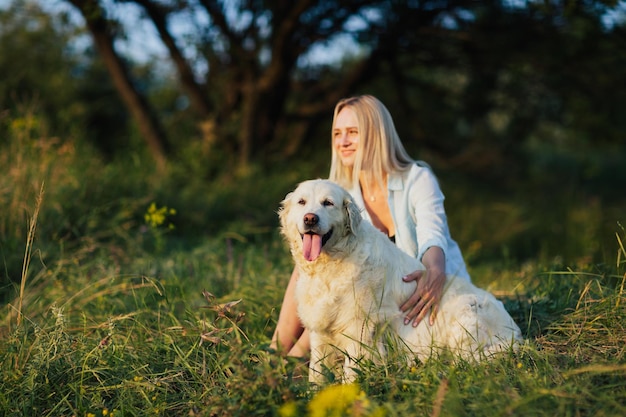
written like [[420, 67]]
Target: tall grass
[[106, 322], [27, 255]]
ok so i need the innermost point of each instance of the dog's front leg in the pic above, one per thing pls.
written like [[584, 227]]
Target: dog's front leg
[[320, 352], [349, 373], [358, 350], [354, 352]]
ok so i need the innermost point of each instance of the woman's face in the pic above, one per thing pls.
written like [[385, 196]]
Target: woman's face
[[346, 136]]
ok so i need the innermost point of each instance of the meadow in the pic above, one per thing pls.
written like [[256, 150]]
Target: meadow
[[128, 292]]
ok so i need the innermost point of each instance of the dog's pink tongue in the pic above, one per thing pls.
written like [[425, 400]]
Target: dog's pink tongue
[[311, 246]]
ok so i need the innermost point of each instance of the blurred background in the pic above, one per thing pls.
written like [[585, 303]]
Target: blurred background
[[159, 124]]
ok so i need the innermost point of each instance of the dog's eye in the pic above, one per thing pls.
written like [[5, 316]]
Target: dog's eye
[[302, 201], [327, 203]]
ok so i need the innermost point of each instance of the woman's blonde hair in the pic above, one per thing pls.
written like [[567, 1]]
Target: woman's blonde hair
[[380, 150]]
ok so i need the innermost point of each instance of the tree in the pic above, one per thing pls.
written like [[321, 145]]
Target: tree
[[467, 67], [32, 40], [252, 51], [137, 105], [254, 89]]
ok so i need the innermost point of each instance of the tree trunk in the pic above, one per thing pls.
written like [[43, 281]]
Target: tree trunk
[[247, 132], [136, 104]]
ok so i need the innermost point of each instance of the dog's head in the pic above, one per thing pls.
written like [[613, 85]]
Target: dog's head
[[315, 213]]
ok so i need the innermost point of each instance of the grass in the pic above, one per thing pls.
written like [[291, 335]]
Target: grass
[[97, 342], [118, 307], [28, 253], [107, 344]]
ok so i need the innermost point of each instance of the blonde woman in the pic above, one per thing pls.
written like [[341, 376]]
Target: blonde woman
[[398, 195]]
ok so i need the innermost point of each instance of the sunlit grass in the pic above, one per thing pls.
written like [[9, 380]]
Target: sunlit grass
[[97, 344]]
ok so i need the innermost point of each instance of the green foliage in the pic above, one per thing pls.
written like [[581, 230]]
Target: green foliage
[[88, 201], [35, 65], [43, 66], [500, 90]]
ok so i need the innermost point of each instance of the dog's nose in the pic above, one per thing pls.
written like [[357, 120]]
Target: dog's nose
[[311, 219]]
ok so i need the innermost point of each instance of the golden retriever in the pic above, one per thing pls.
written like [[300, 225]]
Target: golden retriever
[[350, 286]]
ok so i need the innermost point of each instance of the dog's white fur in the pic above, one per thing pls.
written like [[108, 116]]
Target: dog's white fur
[[354, 287]]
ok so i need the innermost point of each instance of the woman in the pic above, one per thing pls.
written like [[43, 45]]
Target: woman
[[398, 195]]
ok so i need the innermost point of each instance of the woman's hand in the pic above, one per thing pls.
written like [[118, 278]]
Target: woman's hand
[[429, 289]]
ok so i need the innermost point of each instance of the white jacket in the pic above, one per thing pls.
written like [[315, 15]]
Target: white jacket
[[416, 205]]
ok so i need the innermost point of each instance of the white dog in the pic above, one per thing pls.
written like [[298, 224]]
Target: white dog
[[350, 286]]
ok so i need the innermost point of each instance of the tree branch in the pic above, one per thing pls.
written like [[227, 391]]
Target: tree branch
[[189, 83]]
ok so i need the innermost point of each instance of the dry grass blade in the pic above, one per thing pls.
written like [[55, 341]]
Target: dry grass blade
[[439, 397], [27, 253], [621, 251], [596, 369]]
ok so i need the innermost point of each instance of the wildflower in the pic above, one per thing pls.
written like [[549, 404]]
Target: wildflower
[[288, 410], [337, 401], [156, 216], [333, 400]]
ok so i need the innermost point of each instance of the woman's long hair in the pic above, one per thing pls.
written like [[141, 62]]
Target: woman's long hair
[[380, 150]]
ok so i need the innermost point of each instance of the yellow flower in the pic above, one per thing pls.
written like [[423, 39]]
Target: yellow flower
[[333, 400], [156, 216], [338, 401], [288, 409]]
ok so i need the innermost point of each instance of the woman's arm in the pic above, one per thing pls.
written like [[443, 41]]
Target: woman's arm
[[289, 330], [426, 209]]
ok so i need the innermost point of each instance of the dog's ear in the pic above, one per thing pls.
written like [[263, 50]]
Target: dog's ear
[[284, 205], [353, 215]]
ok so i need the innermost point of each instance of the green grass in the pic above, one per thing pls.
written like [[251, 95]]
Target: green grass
[[149, 342], [107, 314]]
